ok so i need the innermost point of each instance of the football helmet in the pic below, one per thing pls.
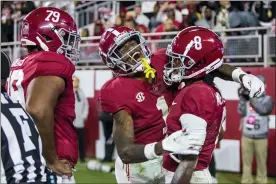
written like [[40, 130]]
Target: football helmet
[[122, 50], [51, 29], [193, 53]]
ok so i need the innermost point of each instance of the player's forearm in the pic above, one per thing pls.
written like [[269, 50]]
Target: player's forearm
[[44, 120], [133, 154], [225, 72], [185, 170]]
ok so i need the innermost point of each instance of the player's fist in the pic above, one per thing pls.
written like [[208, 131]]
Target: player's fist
[[253, 84], [182, 142]]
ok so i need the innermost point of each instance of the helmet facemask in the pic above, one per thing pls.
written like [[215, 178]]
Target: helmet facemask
[[127, 53], [175, 70], [70, 44]]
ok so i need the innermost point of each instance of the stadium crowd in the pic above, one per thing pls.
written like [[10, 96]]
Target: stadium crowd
[[159, 16], [175, 15]]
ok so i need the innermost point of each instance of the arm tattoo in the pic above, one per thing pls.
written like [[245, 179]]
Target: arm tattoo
[[123, 133], [225, 72]]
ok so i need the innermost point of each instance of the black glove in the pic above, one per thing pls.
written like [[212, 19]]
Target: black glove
[[243, 93]]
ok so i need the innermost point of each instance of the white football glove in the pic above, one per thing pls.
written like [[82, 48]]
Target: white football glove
[[181, 142], [254, 85]]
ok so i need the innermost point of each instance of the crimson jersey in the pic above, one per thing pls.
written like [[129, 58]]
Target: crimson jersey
[[43, 63], [146, 103], [204, 101]]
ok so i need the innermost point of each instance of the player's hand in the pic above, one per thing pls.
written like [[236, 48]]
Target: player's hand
[[182, 142], [253, 84], [61, 167]]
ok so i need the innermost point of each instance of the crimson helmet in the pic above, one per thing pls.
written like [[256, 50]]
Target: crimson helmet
[[193, 53], [121, 49], [51, 29]]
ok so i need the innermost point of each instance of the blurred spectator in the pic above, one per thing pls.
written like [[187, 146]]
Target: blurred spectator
[[22, 8], [27, 7], [153, 19], [168, 10], [107, 17], [6, 22], [180, 5], [265, 10], [85, 33], [169, 26], [222, 16], [255, 125], [140, 18], [81, 109], [98, 28], [130, 23], [142, 28], [148, 7], [239, 18], [171, 15], [207, 18], [121, 17], [161, 28], [92, 52], [185, 18], [194, 14], [130, 15], [10, 11]]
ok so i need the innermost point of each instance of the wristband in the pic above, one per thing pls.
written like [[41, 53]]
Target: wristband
[[236, 75], [149, 151]]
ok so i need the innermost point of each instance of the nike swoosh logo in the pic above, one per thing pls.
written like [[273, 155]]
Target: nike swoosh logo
[[173, 103]]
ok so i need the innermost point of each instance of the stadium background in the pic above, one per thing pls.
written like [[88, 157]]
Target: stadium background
[[249, 43]]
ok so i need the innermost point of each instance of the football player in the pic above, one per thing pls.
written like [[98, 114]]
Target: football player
[[195, 55], [42, 82], [139, 101]]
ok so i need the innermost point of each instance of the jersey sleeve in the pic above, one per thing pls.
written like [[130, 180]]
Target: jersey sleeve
[[111, 101], [51, 63], [199, 102]]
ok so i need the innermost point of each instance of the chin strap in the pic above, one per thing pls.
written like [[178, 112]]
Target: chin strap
[[149, 71]]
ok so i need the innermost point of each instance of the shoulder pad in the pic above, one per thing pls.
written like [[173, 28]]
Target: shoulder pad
[[51, 63], [48, 56]]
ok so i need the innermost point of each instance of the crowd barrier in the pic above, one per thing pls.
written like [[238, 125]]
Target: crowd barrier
[[254, 49]]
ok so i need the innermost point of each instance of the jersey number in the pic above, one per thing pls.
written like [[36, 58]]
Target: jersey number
[[54, 15], [15, 89], [162, 105], [22, 118]]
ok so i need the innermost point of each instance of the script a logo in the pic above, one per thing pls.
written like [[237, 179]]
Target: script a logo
[[140, 97]]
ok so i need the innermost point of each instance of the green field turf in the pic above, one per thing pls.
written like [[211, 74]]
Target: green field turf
[[83, 175]]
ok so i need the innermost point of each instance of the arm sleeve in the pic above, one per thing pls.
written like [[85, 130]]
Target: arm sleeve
[[242, 107], [199, 102], [197, 109], [197, 106], [264, 106]]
